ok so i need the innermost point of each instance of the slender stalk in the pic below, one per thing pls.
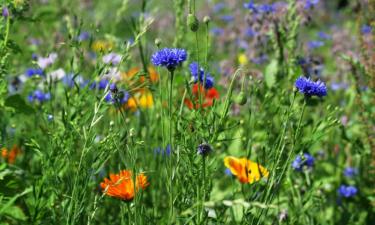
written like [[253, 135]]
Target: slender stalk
[[171, 144]]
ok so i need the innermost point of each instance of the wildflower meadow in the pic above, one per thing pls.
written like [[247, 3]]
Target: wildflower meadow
[[187, 112]]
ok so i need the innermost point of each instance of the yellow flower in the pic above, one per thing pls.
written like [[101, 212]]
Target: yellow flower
[[245, 170], [146, 100], [242, 59], [101, 45]]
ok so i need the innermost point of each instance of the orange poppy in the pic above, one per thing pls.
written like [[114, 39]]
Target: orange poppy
[[10, 155], [121, 185], [208, 97], [245, 170]]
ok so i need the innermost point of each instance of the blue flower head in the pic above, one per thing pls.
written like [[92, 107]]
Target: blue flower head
[[160, 151], [315, 44], [366, 29], [39, 96], [103, 84], [33, 72], [350, 172], [121, 97], [169, 58], [311, 88], [300, 162], [199, 75], [311, 3], [217, 31], [204, 149], [262, 8], [5, 12], [347, 191]]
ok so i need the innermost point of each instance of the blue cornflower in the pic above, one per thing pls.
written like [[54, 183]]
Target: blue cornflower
[[263, 8], [39, 96], [218, 7], [307, 161], [161, 151], [266, 8], [204, 149], [260, 60], [311, 3], [83, 36], [310, 88], [103, 84], [366, 29], [209, 83], [227, 18], [324, 36], [249, 32], [34, 71], [350, 172], [217, 31], [251, 6], [315, 44], [169, 58], [118, 97], [347, 191]]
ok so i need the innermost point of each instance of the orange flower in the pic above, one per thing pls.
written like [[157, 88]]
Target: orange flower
[[121, 185], [154, 76], [10, 155], [208, 97], [245, 170]]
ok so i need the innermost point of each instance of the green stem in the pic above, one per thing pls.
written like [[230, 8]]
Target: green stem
[[171, 144]]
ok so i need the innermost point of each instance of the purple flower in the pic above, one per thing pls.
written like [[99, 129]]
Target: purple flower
[[201, 75], [103, 84], [204, 149], [112, 59], [47, 61], [5, 12], [83, 36], [217, 31], [117, 98], [323, 36], [169, 58], [218, 7], [227, 18], [315, 44], [303, 161], [311, 3], [350, 172], [366, 29], [310, 88], [347, 191], [39, 96]]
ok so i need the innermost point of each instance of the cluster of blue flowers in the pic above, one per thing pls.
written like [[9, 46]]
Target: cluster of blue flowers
[[311, 88], [169, 58], [300, 162], [39, 96], [116, 96], [259, 8], [347, 191], [163, 152], [30, 72], [199, 75]]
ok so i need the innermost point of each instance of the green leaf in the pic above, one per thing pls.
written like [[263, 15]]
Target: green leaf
[[15, 213], [270, 74], [17, 102]]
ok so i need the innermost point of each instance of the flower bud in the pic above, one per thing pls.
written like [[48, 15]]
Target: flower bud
[[241, 98], [206, 19], [193, 22], [157, 42]]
